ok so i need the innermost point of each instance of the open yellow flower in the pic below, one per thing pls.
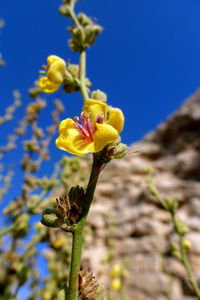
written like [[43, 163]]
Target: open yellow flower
[[55, 71], [95, 131]]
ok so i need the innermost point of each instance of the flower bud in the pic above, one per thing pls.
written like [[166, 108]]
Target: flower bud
[[118, 151], [68, 79], [116, 284], [99, 95], [180, 226], [171, 205], [62, 294], [176, 250], [116, 270], [64, 11], [84, 20], [187, 244], [59, 106], [21, 225], [52, 218], [73, 70]]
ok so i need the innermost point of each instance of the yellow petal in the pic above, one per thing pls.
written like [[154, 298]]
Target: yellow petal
[[56, 69], [104, 135], [48, 86], [95, 107], [116, 118], [71, 140], [52, 58]]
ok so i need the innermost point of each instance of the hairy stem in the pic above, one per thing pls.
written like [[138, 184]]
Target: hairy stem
[[73, 15], [83, 88], [78, 231], [188, 268], [7, 230], [82, 75], [77, 241]]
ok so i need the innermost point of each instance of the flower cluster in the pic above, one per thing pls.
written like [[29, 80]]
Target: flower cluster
[[100, 125]]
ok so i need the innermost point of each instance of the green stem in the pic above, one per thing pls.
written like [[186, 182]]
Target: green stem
[[72, 4], [82, 74], [78, 231], [7, 230], [83, 88], [77, 241], [188, 268]]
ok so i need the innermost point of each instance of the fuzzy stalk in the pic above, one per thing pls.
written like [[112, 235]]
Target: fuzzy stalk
[[82, 72], [7, 230], [188, 269], [83, 88], [77, 235]]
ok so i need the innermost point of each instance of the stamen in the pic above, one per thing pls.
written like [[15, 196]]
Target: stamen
[[45, 67], [89, 128], [80, 128], [42, 72], [84, 120], [76, 119], [100, 118]]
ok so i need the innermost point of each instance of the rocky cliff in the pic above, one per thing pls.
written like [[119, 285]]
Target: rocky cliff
[[126, 223]]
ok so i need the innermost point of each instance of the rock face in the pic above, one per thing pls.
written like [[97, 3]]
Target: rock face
[[127, 223]]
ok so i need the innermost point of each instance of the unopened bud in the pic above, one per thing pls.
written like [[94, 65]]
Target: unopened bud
[[99, 95], [34, 92], [68, 78], [62, 294], [171, 205], [64, 11], [52, 218], [21, 225], [84, 20], [180, 226], [118, 151], [116, 284], [116, 270], [176, 250], [73, 70], [187, 244]]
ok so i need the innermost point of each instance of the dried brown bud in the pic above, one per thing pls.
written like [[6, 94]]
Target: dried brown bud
[[88, 286], [71, 205]]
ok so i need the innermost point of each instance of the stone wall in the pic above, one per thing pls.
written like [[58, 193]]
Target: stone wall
[[125, 221]]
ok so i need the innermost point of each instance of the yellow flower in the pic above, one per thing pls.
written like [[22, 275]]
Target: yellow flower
[[187, 244], [116, 284], [59, 243], [55, 71], [116, 270], [94, 133], [47, 295]]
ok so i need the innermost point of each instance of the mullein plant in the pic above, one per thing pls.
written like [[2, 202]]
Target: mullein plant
[[96, 131], [179, 250]]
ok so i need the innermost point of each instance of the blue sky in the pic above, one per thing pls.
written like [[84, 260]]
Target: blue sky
[[147, 60]]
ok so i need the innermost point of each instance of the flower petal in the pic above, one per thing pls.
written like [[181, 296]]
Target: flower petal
[[70, 139], [95, 107], [47, 85], [116, 118], [104, 135], [56, 69]]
